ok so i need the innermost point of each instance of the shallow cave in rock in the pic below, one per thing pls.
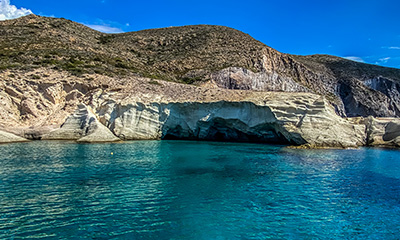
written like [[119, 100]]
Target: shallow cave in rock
[[222, 130]]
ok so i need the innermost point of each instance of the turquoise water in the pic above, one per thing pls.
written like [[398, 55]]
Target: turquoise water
[[196, 190]]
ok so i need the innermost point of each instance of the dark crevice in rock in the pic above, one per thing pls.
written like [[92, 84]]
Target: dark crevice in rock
[[224, 130]]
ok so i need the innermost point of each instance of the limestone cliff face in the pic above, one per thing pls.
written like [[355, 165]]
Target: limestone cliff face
[[291, 119], [6, 137], [390, 89], [47, 100], [82, 126], [141, 108], [362, 89]]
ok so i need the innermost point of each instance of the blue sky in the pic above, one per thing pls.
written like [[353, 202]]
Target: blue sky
[[363, 30]]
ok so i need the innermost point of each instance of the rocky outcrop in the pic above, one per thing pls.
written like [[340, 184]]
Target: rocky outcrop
[[6, 137], [361, 100], [140, 108], [363, 89], [297, 119], [240, 78], [383, 132], [388, 87], [82, 126]]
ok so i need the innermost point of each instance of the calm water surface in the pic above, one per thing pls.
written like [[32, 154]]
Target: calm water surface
[[196, 190]]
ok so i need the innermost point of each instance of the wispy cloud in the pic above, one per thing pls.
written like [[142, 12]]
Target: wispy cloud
[[8, 11], [354, 58], [105, 28], [392, 47], [383, 60]]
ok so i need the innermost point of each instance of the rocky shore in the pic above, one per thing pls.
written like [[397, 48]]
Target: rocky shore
[[150, 109], [65, 81]]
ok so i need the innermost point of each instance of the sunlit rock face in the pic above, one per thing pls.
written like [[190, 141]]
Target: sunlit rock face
[[82, 126], [222, 121], [296, 119], [6, 137]]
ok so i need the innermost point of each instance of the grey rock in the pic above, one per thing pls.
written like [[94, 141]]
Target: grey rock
[[383, 132], [239, 78]]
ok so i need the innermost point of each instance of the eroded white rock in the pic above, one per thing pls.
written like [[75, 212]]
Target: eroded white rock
[[82, 126], [294, 119], [6, 137]]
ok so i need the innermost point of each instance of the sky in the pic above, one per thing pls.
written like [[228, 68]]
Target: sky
[[361, 30]]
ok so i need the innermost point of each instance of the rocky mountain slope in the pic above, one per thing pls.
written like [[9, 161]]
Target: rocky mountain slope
[[203, 55]]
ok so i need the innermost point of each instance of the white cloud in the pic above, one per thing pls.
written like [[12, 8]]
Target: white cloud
[[383, 60], [354, 58], [8, 11], [393, 48], [105, 28]]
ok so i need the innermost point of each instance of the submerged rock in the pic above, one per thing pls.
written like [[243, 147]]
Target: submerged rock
[[82, 126]]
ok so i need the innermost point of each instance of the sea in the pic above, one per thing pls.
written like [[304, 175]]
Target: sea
[[197, 190]]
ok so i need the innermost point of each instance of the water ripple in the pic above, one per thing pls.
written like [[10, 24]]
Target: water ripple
[[194, 190]]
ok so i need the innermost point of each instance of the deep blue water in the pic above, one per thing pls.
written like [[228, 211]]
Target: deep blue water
[[196, 190]]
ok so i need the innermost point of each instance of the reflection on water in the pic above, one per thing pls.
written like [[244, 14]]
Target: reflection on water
[[196, 190]]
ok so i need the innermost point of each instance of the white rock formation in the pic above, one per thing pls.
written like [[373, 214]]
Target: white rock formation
[[6, 137], [299, 119], [314, 119], [82, 126]]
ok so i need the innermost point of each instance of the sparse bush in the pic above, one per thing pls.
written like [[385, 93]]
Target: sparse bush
[[105, 39]]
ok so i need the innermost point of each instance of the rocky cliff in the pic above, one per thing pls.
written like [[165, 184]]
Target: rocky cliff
[[62, 80], [149, 109]]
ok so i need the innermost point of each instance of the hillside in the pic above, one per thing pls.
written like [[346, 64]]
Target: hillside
[[212, 56]]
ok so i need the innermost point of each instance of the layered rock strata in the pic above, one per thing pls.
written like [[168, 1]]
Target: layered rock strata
[[82, 126], [297, 119], [140, 108]]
